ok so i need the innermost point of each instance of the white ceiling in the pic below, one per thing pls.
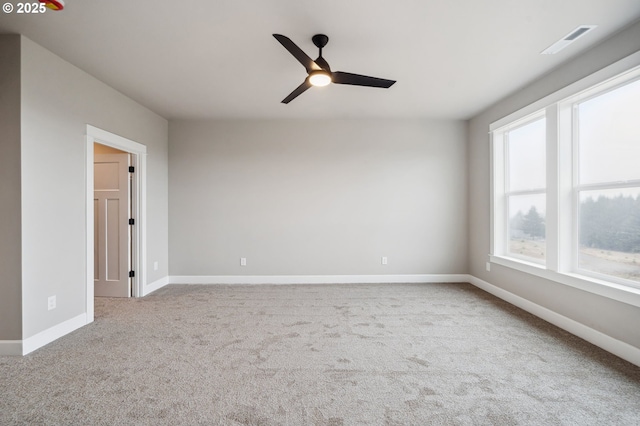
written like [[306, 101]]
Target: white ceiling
[[214, 59]]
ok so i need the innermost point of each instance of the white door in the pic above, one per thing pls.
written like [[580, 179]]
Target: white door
[[111, 225]]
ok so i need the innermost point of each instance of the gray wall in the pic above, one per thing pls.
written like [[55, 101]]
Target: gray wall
[[615, 319], [10, 245], [58, 101], [317, 197]]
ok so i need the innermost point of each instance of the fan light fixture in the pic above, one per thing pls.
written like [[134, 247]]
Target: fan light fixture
[[319, 78]]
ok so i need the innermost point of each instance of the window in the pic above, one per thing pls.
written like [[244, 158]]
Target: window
[[566, 185], [525, 191], [607, 142]]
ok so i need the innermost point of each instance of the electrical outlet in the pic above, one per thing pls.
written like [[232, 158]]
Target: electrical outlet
[[384, 260], [51, 302], [243, 261], [155, 265], [488, 266]]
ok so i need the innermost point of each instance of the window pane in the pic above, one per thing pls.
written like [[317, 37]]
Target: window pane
[[527, 232], [526, 156], [609, 232], [609, 136]]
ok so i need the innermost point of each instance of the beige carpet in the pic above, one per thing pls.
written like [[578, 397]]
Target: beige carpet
[[395, 354]]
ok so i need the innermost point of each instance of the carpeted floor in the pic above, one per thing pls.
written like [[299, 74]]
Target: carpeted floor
[[395, 354]]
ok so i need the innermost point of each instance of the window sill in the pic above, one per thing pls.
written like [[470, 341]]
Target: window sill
[[618, 292]]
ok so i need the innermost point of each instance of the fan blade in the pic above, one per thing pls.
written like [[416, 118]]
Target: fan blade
[[302, 57], [297, 92], [340, 77]]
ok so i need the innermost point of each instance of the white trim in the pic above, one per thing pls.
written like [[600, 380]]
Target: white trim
[[619, 292], [23, 347], [317, 279], [115, 141], [142, 228], [552, 208], [156, 285], [10, 347], [104, 137], [89, 231], [49, 335], [608, 343]]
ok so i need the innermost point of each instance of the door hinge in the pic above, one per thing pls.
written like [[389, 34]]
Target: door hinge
[[132, 274], [131, 169], [132, 221]]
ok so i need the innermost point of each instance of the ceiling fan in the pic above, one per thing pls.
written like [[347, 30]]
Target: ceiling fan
[[320, 73]]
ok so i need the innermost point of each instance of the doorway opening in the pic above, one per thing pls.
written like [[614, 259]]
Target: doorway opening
[[110, 144]]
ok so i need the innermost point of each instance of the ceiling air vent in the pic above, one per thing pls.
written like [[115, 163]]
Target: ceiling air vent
[[568, 39]]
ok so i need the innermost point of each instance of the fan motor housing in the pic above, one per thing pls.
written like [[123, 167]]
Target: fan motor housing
[[320, 40]]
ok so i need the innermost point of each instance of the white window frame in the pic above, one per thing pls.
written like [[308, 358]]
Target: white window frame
[[504, 146], [562, 193], [572, 105]]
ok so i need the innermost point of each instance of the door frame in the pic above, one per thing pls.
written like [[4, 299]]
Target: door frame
[[138, 207]]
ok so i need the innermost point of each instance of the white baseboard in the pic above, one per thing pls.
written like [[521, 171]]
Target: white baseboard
[[156, 285], [317, 279], [30, 344], [49, 335], [604, 341]]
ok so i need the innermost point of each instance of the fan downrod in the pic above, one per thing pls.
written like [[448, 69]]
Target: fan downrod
[[320, 40]]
